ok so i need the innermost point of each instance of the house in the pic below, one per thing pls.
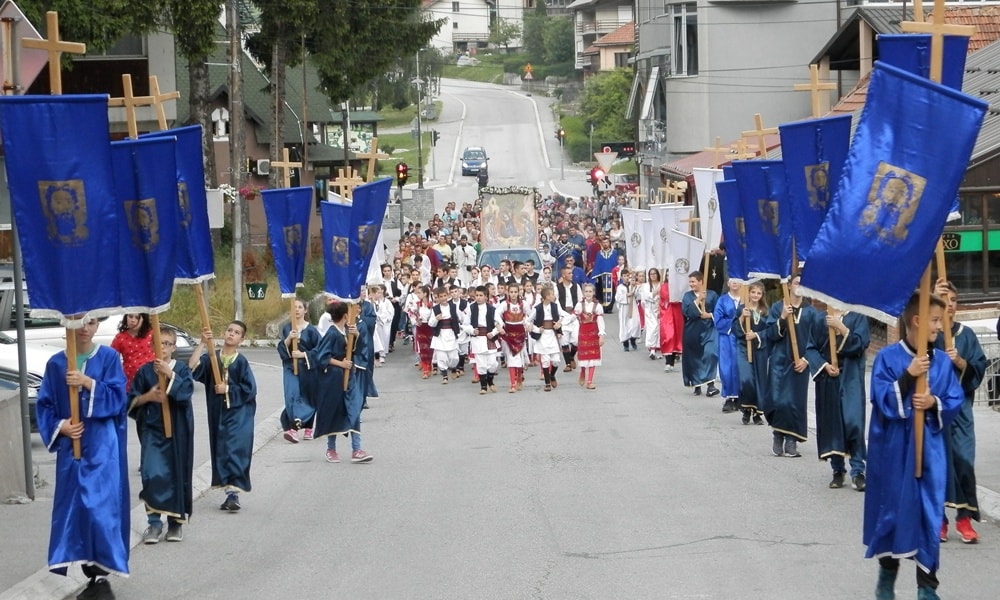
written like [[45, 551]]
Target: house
[[704, 68], [611, 51], [595, 19], [469, 22]]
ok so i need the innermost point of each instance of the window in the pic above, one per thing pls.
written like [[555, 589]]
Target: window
[[621, 59], [454, 24], [685, 21], [220, 123], [454, 6]]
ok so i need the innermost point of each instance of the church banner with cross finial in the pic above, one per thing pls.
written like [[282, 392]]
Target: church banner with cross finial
[[761, 184], [345, 183], [55, 47]]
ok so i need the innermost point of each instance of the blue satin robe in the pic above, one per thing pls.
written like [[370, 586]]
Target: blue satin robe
[[788, 390], [332, 414], [960, 437], [729, 372], [167, 463], [700, 357], [903, 514], [300, 390], [230, 427], [753, 375], [90, 511]]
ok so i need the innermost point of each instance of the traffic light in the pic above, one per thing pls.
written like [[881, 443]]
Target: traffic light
[[402, 172], [561, 135], [435, 136], [597, 175]]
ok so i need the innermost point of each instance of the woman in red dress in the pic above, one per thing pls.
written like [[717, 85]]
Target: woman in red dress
[[135, 343], [671, 328], [591, 336]]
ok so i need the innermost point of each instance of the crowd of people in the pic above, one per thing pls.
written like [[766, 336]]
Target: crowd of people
[[456, 315]]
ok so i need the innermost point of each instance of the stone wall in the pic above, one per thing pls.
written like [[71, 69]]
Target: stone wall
[[418, 207], [11, 448]]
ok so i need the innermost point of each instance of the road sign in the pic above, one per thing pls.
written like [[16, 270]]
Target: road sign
[[528, 76], [606, 149], [31, 60], [606, 159]]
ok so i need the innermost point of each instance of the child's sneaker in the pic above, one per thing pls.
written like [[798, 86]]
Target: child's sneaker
[[360, 456], [307, 434], [152, 534], [331, 456]]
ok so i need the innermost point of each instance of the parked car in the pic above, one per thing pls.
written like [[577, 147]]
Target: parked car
[[473, 159], [10, 382], [492, 257], [37, 355], [625, 182]]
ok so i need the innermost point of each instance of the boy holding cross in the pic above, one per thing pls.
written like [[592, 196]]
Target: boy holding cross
[[903, 512]]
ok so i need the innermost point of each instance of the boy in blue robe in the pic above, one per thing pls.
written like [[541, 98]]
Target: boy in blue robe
[[700, 362], [300, 390], [167, 463], [840, 391], [232, 405], [725, 315], [90, 510], [903, 513], [969, 363]]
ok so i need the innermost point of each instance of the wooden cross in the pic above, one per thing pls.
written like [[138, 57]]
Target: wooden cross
[[814, 87], [717, 152], [938, 29], [742, 151], [159, 99], [346, 182], [286, 167], [691, 220], [676, 192], [130, 102], [55, 47], [372, 155], [760, 133]]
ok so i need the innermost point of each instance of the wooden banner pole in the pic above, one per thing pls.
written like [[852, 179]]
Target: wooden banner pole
[[74, 391], [353, 310], [161, 380], [295, 340]]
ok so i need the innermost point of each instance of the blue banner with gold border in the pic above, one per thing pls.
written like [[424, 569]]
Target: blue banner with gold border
[[761, 184], [907, 160], [59, 171], [369, 202], [148, 227], [336, 234], [734, 234], [287, 211]]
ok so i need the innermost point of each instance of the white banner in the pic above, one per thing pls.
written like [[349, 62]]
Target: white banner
[[708, 205], [686, 251], [635, 236]]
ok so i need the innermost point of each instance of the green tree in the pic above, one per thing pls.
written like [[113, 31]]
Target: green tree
[[96, 23], [351, 43], [534, 32], [603, 104], [503, 32], [558, 40]]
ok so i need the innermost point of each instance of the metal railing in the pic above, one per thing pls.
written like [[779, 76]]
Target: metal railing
[[989, 389]]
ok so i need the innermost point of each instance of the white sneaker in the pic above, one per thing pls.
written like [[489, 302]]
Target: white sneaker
[[668, 369]]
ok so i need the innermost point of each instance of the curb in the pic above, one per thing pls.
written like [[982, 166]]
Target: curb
[[45, 584]]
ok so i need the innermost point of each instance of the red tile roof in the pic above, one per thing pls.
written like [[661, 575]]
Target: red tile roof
[[622, 36]]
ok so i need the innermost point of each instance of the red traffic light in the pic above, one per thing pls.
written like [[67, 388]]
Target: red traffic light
[[596, 175], [402, 174]]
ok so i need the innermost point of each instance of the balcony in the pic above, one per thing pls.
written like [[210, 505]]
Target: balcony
[[600, 26]]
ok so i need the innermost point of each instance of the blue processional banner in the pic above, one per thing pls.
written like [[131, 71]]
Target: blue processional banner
[[761, 184], [895, 193], [734, 232], [369, 202], [148, 227], [195, 261], [814, 152], [336, 234], [59, 171], [287, 211], [911, 52]]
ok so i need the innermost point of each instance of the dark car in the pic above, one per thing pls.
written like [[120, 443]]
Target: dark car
[[10, 382], [473, 160]]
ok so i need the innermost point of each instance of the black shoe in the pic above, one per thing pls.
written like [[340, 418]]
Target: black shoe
[[697, 390], [174, 532], [729, 405], [837, 482], [777, 444], [757, 420], [712, 391], [746, 416], [858, 482], [97, 589], [634, 346], [232, 503]]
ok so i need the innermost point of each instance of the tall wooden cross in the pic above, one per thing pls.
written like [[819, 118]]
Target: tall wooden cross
[[760, 133], [130, 102], [286, 167], [55, 47], [372, 155], [346, 182], [742, 150], [159, 99], [814, 87], [691, 220], [938, 29], [718, 151]]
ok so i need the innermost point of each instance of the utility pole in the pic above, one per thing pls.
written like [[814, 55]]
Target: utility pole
[[237, 150], [420, 136]]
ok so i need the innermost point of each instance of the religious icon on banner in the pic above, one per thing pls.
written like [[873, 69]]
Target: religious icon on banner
[[367, 235], [663, 234], [183, 204], [682, 266], [636, 239], [341, 255], [143, 223], [818, 185], [293, 240], [64, 204], [892, 203], [768, 211], [741, 228]]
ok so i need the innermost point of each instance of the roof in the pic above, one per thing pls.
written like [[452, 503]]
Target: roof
[[623, 36], [843, 48], [705, 159], [982, 80]]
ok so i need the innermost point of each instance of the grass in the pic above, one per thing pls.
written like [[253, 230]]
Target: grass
[[257, 314], [625, 166], [392, 118], [485, 72], [405, 150]]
